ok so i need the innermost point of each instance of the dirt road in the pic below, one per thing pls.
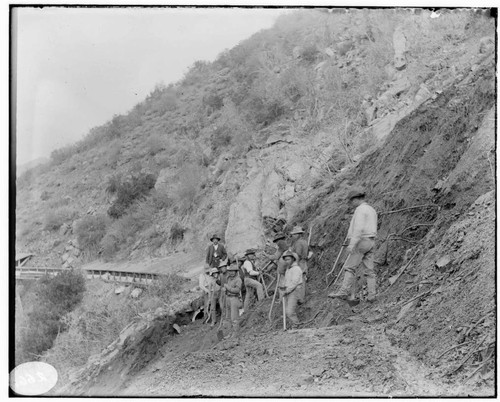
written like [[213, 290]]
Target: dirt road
[[354, 359]]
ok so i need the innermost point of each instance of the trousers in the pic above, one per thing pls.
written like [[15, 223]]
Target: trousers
[[211, 305], [252, 284], [361, 256], [291, 301], [232, 311]]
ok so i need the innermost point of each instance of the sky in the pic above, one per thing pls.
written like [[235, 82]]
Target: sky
[[77, 67]]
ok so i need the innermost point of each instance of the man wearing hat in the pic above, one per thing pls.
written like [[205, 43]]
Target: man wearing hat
[[232, 289], [216, 252], [300, 247], [251, 279], [222, 280], [290, 289], [207, 283], [361, 236], [280, 241]]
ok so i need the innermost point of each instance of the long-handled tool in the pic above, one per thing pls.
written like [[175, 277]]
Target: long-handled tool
[[274, 297], [210, 295], [336, 261], [340, 273], [261, 279], [284, 313]]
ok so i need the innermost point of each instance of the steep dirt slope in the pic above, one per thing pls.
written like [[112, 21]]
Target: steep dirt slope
[[433, 186]]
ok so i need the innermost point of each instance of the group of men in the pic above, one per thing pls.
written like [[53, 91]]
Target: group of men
[[226, 279]]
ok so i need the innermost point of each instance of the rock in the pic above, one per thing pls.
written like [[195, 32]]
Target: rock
[[329, 51], [359, 364], [119, 290], [399, 43], [305, 379], [443, 263], [317, 372], [344, 46], [422, 95], [320, 66], [177, 328], [486, 45], [135, 293], [163, 179], [405, 310], [297, 52], [244, 228], [65, 256]]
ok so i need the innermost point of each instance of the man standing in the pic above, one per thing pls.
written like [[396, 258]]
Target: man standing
[[361, 237], [216, 252], [300, 247], [280, 241], [291, 287], [210, 288], [233, 289], [221, 281], [251, 279]]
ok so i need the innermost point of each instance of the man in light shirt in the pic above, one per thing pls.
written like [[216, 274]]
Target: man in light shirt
[[361, 236], [251, 279], [291, 288], [207, 283]]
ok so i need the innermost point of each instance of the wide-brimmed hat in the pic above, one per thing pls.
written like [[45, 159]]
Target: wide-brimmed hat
[[289, 253], [232, 268], [224, 263], [279, 236], [214, 271], [356, 192], [250, 251], [297, 230], [215, 236]]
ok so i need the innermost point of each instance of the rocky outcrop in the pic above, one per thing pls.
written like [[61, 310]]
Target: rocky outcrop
[[244, 228], [139, 341]]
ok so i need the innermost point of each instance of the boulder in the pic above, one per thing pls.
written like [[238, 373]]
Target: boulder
[[297, 52], [344, 46], [270, 195], [329, 51], [244, 228], [136, 293], [163, 179], [119, 290], [486, 45], [443, 263], [399, 44]]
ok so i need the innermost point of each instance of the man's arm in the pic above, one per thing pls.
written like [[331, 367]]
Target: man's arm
[[223, 253], [235, 287]]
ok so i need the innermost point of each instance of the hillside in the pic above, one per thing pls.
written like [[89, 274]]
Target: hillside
[[274, 133]]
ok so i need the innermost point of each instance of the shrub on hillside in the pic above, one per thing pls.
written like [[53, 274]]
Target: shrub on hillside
[[130, 190], [187, 188], [177, 232], [54, 218], [90, 230], [54, 297]]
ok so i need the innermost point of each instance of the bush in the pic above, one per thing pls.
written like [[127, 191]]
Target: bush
[[177, 232], [187, 187], [90, 230], [54, 297], [129, 191], [55, 218]]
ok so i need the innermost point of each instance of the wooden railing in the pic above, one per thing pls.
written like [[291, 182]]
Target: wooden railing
[[25, 273]]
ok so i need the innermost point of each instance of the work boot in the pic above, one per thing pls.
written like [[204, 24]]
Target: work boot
[[344, 291]]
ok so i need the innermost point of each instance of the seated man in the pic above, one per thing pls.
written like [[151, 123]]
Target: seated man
[[251, 279]]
